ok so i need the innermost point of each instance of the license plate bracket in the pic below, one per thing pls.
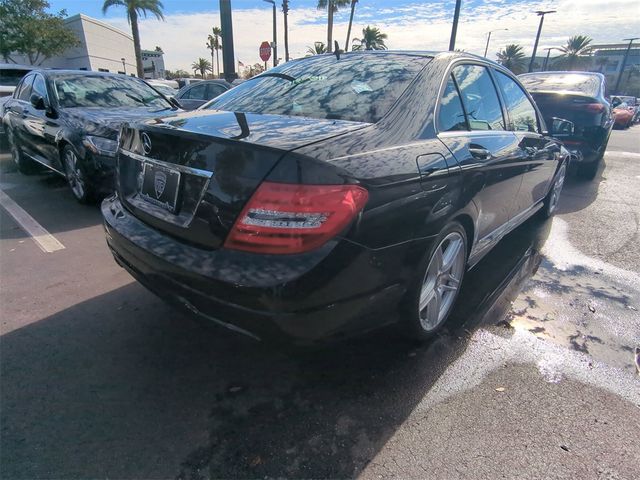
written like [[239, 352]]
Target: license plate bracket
[[160, 186]]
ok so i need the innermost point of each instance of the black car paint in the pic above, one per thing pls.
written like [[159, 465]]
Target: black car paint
[[43, 133], [418, 180], [592, 130]]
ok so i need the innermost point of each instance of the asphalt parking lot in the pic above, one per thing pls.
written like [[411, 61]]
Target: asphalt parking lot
[[533, 378]]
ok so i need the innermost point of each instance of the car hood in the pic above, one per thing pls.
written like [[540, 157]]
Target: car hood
[[106, 122], [281, 132]]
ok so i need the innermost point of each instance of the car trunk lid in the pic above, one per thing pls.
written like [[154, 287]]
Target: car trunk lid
[[191, 175]]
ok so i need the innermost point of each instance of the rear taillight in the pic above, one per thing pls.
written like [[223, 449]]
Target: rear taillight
[[590, 107], [283, 218]]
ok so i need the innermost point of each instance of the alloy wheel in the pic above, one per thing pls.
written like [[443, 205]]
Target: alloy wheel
[[557, 189], [442, 281], [75, 176]]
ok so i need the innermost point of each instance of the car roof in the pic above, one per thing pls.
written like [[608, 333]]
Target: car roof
[[15, 66], [56, 72]]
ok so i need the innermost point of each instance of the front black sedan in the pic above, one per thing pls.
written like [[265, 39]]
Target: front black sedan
[[330, 193], [68, 121]]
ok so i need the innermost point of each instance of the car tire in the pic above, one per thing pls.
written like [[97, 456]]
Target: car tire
[[24, 164], [437, 283], [76, 176], [552, 199]]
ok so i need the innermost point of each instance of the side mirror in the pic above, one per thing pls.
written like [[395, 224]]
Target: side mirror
[[562, 127], [37, 101]]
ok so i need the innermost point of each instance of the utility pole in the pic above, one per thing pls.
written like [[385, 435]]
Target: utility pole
[[228, 57], [546, 60], [486, 48], [454, 28], [275, 36], [624, 63], [285, 11], [541, 14]]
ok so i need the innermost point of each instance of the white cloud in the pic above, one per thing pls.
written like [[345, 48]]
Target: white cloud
[[417, 26]]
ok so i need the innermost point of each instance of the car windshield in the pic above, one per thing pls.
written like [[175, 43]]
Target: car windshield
[[105, 91], [360, 88], [569, 82], [11, 77]]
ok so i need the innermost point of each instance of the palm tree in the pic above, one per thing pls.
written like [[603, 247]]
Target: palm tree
[[217, 36], [318, 48], [285, 11], [332, 6], [211, 45], [372, 39], [353, 9], [202, 65], [512, 57], [575, 51], [135, 8]]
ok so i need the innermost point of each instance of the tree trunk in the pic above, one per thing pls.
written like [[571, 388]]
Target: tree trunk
[[329, 26], [353, 8], [133, 17], [217, 45], [285, 10]]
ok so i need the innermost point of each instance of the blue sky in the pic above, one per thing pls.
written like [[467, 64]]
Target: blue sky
[[422, 25]]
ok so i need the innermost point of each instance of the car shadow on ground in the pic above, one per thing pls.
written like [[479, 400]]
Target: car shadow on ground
[[578, 193], [121, 386]]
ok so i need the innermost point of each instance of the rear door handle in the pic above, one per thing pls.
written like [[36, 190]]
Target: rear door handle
[[480, 153]]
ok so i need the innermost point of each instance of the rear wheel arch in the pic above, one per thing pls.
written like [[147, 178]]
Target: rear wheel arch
[[467, 223]]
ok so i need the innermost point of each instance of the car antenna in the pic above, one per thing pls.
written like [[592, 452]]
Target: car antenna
[[336, 49]]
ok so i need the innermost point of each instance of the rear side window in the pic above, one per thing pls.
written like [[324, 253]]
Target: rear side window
[[214, 90], [451, 116], [25, 88], [197, 92], [479, 97], [521, 111]]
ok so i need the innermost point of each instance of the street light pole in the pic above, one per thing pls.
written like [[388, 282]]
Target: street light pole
[[454, 27], [226, 25], [486, 48], [124, 65], [546, 60], [285, 11], [624, 63], [541, 14], [275, 35]]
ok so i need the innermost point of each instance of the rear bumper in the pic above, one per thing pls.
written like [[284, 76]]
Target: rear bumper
[[336, 290]]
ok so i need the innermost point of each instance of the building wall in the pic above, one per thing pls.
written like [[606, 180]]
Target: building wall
[[153, 63]]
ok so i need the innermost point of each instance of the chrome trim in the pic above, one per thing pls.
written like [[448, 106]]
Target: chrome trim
[[46, 165], [182, 168]]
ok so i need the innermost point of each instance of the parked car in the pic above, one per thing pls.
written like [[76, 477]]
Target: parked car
[[579, 98], [68, 121], [196, 95], [10, 76], [325, 195], [163, 88], [623, 113]]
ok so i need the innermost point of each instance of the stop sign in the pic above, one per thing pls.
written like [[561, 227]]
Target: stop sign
[[265, 51]]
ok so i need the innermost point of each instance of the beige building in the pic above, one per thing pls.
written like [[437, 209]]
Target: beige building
[[102, 48]]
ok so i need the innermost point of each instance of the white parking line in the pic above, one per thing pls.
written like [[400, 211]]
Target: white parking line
[[47, 242], [616, 153]]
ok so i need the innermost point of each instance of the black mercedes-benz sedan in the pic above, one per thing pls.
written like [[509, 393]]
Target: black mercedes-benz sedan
[[68, 121], [328, 194]]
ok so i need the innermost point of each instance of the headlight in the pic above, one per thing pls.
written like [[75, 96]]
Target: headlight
[[101, 145]]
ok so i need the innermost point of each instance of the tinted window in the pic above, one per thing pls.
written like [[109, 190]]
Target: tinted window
[[39, 87], [357, 87], [214, 90], [196, 92], [451, 115], [562, 82], [479, 97], [11, 77], [25, 88], [521, 111], [105, 91]]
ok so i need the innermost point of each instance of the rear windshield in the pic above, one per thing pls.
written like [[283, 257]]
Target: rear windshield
[[105, 91], [359, 88], [567, 82], [11, 77]]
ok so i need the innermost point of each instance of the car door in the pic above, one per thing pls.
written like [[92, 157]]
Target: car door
[[40, 124], [486, 151], [538, 153]]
